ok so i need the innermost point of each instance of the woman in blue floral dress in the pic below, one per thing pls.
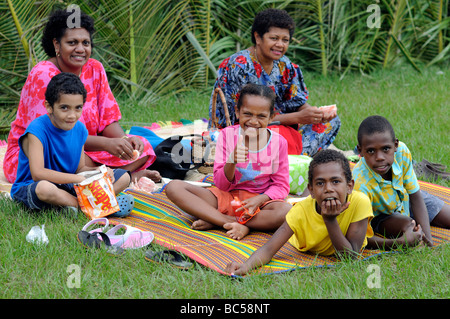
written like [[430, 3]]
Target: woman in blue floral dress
[[265, 63]]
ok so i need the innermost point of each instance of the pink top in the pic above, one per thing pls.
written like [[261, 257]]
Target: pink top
[[100, 110], [265, 172]]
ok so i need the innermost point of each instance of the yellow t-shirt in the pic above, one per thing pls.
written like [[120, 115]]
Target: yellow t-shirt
[[310, 232]]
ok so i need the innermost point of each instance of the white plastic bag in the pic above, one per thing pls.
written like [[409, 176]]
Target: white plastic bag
[[37, 235]]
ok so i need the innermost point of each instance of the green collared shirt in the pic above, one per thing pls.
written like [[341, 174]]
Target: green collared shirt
[[388, 197]]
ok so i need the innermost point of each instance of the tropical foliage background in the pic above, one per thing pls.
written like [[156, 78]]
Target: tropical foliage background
[[153, 48]]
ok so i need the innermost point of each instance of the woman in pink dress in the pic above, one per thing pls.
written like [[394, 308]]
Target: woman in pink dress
[[69, 50]]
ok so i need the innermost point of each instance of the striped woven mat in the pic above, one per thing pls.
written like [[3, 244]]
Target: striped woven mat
[[214, 249]]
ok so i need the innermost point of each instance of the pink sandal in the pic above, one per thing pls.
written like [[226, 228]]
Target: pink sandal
[[133, 238]]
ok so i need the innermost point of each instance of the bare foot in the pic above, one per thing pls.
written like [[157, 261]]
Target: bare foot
[[153, 175], [236, 230], [200, 224]]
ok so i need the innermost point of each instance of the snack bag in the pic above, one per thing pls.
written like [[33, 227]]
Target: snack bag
[[96, 195], [298, 173]]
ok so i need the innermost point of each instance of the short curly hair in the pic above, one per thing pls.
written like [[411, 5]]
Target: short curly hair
[[272, 18], [56, 28], [327, 156], [374, 124], [64, 83]]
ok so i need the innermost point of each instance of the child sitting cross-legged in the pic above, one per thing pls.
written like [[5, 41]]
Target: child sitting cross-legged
[[52, 150], [251, 163], [403, 213], [334, 219]]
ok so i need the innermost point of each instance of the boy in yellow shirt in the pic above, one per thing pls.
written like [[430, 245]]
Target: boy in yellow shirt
[[333, 219]]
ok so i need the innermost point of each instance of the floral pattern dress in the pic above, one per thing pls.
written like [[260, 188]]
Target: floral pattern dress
[[286, 80], [100, 110]]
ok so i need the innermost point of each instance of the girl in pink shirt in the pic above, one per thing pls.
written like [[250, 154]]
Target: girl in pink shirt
[[251, 164]]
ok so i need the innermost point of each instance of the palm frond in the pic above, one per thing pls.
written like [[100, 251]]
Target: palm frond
[[20, 34], [155, 48]]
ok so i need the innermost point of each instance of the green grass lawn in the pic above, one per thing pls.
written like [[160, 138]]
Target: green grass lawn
[[416, 104]]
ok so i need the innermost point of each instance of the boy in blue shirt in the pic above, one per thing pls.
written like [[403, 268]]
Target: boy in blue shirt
[[403, 213], [52, 150]]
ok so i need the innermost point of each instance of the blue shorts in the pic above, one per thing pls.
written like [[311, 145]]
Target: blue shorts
[[433, 204], [27, 194]]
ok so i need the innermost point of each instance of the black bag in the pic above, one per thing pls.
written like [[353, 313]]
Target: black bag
[[203, 152], [173, 160]]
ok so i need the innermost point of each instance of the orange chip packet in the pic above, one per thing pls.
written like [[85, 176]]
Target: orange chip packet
[[96, 195]]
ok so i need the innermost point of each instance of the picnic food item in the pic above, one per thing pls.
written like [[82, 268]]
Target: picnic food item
[[145, 185], [329, 111], [136, 155], [96, 195]]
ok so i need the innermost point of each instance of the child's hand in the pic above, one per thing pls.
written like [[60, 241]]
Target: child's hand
[[111, 174], [330, 209], [240, 153], [414, 235], [253, 203], [79, 179], [235, 268]]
